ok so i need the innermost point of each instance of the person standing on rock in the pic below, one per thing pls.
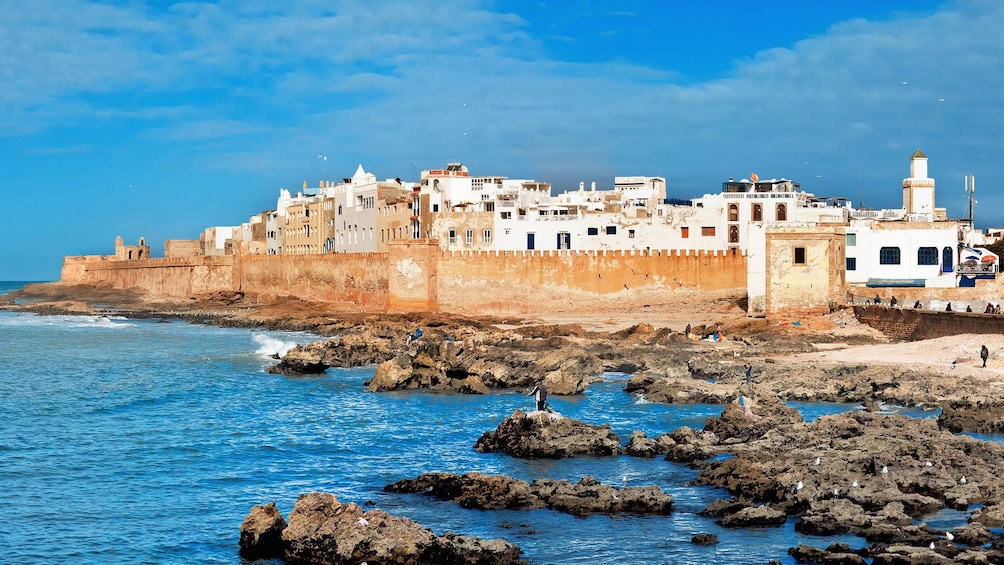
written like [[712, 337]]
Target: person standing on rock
[[539, 394], [984, 353], [749, 374]]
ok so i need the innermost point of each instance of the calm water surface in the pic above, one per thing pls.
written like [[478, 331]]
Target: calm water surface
[[148, 441]]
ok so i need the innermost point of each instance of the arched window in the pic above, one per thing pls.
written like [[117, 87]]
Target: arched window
[[733, 212], [733, 234], [757, 212], [782, 213]]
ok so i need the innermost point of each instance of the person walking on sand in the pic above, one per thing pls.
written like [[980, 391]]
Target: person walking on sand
[[984, 353], [539, 394]]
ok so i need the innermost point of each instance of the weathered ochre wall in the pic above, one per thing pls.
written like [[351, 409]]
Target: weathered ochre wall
[[413, 279], [417, 276], [491, 282], [174, 277], [811, 286], [356, 278]]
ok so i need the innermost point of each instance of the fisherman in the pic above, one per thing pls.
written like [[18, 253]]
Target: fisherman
[[414, 336], [539, 394]]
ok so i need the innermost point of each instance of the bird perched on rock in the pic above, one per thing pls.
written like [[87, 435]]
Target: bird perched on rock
[[854, 484], [962, 481], [929, 464], [817, 461], [949, 536], [363, 521], [885, 470]]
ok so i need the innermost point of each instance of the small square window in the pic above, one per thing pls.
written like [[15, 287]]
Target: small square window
[[611, 230], [592, 231], [852, 263]]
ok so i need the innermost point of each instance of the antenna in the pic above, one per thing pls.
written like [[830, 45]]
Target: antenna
[[970, 189]]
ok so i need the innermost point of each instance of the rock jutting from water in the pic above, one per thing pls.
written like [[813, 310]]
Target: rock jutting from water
[[322, 530], [547, 435], [497, 492]]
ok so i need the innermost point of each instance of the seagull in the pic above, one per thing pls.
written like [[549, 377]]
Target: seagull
[[931, 546], [941, 99], [817, 461], [962, 481], [885, 470], [854, 484], [836, 492], [929, 464], [362, 522], [624, 481], [799, 486], [949, 536]]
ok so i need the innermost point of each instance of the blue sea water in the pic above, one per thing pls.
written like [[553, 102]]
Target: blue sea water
[[148, 441]]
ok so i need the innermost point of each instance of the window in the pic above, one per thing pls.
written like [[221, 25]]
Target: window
[[799, 255], [782, 213], [592, 231], [611, 230], [469, 237], [564, 240], [852, 263], [708, 231], [852, 239], [631, 234], [757, 213], [685, 232], [530, 241], [452, 236], [947, 260], [506, 215], [889, 256], [435, 207], [489, 206], [487, 237], [733, 234], [927, 256], [339, 209], [733, 212]]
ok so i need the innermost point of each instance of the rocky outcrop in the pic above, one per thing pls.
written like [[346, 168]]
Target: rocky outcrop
[[261, 533], [979, 417], [351, 350], [324, 531], [547, 435], [487, 492]]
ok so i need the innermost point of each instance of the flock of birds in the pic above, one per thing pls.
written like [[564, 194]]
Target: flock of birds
[[885, 471]]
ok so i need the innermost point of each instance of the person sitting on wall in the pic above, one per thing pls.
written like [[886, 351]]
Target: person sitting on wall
[[989, 309], [893, 301], [878, 299], [949, 307], [916, 305], [969, 308]]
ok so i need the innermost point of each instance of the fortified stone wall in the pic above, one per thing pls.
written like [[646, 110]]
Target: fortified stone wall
[[907, 323], [356, 278], [501, 283], [179, 277]]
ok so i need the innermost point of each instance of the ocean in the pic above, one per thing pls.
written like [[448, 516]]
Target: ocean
[[149, 440]]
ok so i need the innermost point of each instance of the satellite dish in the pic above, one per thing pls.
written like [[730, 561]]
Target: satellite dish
[[754, 177]]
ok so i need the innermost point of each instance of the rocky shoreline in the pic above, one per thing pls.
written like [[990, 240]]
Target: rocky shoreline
[[872, 475]]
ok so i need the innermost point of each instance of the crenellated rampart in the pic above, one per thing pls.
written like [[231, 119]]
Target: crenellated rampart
[[418, 276]]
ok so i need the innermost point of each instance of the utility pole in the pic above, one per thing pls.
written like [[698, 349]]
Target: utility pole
[[970, 189]]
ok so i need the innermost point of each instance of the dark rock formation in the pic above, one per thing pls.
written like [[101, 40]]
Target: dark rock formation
[[547, 435], [704, 539], [321, 530], [977, 417], [351, 350], [487, 492], [261, 533]]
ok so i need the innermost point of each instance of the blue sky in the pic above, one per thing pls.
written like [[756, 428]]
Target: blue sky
[[159, 119]]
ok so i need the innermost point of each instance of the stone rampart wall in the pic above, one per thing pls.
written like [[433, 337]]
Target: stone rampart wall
[[498, 282], [907, 323], [175, 277], [356, 278]]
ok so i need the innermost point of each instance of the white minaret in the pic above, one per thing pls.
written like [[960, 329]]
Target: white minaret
[[918, 190]]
